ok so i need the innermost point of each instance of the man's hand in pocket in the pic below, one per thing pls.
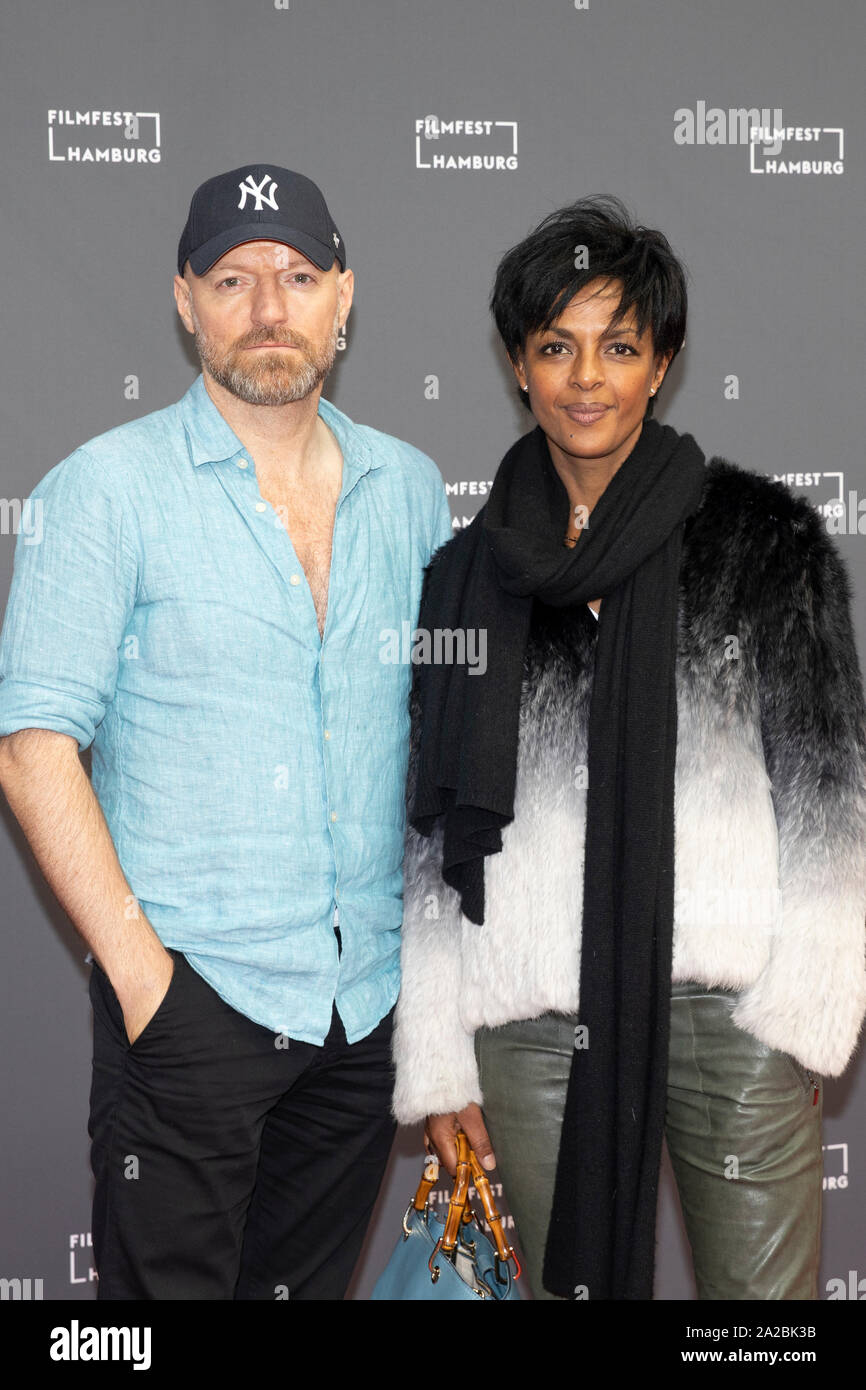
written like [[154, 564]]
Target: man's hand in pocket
[[140, 1000]]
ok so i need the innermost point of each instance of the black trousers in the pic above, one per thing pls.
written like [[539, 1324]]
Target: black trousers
[[228, 1166]]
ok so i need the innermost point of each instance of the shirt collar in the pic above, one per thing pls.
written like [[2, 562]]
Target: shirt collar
[[211, 439]]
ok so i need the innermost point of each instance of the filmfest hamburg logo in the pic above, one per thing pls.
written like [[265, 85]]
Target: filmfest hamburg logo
[[465, 144], [774, 146], [467, 487], [824, 489], [797, 150], [81, 1267], [837, 1181], [104, 137]]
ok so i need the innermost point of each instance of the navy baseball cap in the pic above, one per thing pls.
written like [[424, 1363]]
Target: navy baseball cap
[[258, 202]]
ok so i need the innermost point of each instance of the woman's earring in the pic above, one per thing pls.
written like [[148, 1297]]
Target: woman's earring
[[524, 388]]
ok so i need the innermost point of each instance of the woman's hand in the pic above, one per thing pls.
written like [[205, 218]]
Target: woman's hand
[[440, 1131]]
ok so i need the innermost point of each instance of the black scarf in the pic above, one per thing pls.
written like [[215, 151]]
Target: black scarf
[[602, 1233]]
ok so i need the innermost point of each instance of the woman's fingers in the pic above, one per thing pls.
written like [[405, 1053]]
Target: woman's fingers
[[440, 1137], [471, 1121], [439, 1132]]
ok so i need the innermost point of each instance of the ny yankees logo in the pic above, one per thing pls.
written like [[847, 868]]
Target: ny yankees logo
[[249, 186]]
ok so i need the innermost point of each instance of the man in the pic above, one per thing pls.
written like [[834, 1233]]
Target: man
[[206, 609]]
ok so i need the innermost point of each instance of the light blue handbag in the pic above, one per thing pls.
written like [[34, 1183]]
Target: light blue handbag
[[451, 1258]]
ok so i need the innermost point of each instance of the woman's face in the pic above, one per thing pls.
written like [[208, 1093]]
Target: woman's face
[[588, 384]]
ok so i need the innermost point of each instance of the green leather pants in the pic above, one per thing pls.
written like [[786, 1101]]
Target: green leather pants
[[743, 1132]]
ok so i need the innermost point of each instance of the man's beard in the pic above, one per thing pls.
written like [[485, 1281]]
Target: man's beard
[[268, 378]]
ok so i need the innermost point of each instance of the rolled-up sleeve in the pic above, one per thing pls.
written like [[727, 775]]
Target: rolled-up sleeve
[[73, 591]]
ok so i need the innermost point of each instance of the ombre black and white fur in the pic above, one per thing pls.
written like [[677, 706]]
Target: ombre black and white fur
[[770, 811]]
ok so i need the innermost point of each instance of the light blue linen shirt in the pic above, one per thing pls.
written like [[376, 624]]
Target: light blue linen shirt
[[252, 775]]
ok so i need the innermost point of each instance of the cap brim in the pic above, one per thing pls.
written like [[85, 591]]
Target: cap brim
[[207, 255]]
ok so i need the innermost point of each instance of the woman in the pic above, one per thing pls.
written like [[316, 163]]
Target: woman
[[636, 861]]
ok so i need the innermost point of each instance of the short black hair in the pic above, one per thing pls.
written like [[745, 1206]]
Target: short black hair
[[536, 279]]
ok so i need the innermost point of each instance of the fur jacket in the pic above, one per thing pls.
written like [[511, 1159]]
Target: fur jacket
[[769, 807]]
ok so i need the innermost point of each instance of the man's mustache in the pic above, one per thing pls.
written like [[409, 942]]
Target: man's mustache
[[296, 340]]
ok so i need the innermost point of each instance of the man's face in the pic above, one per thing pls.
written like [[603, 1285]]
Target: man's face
[[266, 320]]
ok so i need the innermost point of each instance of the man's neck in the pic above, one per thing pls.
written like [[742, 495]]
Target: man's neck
[[290, 438]]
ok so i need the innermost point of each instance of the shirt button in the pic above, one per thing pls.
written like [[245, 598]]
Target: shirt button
[[333, 815], [294, 579], [260, 506], [243, 463], [327, 733]]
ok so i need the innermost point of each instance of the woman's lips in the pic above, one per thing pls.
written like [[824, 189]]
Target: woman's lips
[[586, 415]]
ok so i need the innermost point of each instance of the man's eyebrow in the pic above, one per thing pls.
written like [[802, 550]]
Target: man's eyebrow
[[232, 268]]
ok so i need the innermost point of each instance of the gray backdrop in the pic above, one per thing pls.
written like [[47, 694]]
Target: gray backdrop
[[649, 101]]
